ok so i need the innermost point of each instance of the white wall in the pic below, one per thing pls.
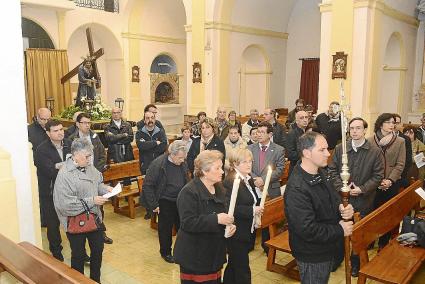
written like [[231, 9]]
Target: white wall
[[303, 42], [404, 6]]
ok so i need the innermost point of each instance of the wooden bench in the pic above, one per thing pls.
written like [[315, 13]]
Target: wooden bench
[[29, 264], [118, 172], [273, 215], [394, 263]]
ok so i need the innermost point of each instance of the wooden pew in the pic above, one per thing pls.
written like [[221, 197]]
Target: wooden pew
[[118, 172], [29, 264], [394, 263], [272, 216]]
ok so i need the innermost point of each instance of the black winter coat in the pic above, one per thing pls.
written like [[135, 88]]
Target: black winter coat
[[99, 155], [331, 129], [292, 144], [36, 135], [149, 150], [279, 134], [244, 208], [312, 211], [215, 144], [200, 245], [155, 180], [119, 141], [46, 157]]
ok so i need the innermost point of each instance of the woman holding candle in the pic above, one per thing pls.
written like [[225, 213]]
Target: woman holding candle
[[246, 208], [200, 247]]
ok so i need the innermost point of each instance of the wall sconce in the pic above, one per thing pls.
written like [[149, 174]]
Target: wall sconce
[[119, 102], [50, 104]]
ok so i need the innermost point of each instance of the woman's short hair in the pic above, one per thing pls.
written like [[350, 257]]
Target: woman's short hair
[[186, 127], [81, 144], [381, 119], [205, 160], [201, 113], [176, 147], [237, 156], [231, 112], [210, 122]]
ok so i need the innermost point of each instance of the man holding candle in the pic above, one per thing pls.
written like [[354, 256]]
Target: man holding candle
[[267, 153], [314, 212]]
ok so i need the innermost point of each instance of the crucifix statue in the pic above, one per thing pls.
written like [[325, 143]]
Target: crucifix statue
[[88, 74]]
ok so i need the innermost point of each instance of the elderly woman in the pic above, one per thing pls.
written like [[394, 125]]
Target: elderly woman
[[393, 151], [247, 206], [200, 247], [234, 122], [207, 141], [78, 181]]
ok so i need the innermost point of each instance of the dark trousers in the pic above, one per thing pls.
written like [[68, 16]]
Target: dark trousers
[[78, 252], [380, 198], [315, 273], [237, 269], [167, 218], [52, 223]]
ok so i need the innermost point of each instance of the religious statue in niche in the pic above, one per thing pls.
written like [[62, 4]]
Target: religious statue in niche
[[135, 74], [197, 73], [164, 93], [339, 65], [86, 82]]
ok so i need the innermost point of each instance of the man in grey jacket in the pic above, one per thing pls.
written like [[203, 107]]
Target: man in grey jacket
[[77, 181], [366, 167]]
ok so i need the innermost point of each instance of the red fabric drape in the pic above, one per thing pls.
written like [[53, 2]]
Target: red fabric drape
[[309, 85]]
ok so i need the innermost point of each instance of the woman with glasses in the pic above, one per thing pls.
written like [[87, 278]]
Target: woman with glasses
[[247, 207], [394, 152]]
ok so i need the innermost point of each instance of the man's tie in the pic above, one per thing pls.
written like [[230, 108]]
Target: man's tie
[[262, 157]]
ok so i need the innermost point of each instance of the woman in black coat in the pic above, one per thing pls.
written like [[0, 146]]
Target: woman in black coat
[[207, 141], [200, 247], [247, 201]]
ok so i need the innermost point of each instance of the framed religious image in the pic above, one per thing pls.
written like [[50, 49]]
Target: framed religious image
[[197, 73], [339, 65], [135, 74]]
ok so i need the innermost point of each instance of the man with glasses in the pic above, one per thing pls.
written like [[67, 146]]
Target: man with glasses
[[299, 105], [164, 180], [298, 129], [366, 166], [37, 129], [153, 109], [252, 122], [279, 131], [404, 181]]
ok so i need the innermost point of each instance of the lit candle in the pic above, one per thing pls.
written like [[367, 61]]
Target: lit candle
[[263, 196], [232, 204]]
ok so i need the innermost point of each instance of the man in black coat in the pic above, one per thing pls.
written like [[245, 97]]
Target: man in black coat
[[299, 105], [37, 130], [49, 158], [164, 179], [279, 131], [153, 109], [404, 181], [298, 129], [313, 211], [329, 124]]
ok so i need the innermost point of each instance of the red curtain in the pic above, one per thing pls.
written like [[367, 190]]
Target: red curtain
[[309, 86]]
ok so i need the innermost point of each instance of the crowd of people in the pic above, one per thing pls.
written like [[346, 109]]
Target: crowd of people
[[189, 182]]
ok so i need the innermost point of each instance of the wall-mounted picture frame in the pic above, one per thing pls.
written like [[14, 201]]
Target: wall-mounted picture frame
[[135, 73], [339, 65], [197, 73]]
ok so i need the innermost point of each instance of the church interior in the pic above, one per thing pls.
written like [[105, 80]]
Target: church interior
[[186, 57]]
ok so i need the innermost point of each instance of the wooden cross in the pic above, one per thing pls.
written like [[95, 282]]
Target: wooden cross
[[94, 55]]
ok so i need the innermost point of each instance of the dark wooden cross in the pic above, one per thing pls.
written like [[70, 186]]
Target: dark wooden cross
[[94, 55]]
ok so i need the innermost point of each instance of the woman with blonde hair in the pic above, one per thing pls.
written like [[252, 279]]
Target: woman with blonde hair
[[247, 206], [200, 247]]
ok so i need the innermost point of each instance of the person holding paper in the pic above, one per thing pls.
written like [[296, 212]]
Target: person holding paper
[[417, 148], [267, 153], [164, 180], [200, 247], [79, 180], [247, 206]]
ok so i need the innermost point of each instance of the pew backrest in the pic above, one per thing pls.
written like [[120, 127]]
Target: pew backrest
[[122, 170], [273, 212]]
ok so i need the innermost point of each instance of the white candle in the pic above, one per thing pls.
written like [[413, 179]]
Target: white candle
[[266, 187], [232, 204]]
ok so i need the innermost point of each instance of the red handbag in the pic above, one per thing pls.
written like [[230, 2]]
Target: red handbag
[[85, 222]]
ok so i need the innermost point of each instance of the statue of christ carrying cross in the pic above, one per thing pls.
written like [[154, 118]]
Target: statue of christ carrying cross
[[86, 82]]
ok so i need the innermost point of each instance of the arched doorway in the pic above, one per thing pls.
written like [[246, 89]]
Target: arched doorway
[[34, 36], [254, 77], [164, 80], [392, 75], [110, 65]]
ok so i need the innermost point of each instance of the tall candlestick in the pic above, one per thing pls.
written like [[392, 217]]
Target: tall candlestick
[[264, 196], [232, 204]]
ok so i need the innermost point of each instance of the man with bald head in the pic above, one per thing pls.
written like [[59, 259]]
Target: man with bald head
[[298, 129], [222, 123], [119, 135], [37, 130]]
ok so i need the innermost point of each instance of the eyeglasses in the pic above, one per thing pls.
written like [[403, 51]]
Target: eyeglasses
[[389, 122], [85, 122]]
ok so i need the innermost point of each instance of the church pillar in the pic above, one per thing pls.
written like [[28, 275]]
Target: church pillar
[[61, 29], [20, 220], [419, 66]]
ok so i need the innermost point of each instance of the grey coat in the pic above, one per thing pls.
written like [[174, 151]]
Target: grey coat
[[275, 157], [366, 167], [72, 185]]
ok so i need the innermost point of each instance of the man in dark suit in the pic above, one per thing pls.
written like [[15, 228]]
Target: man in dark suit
[[37, 129], [49, 158], [404, 181], [267, 153], [279, 131], [298, 129]]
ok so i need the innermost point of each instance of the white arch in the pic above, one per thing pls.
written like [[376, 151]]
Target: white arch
[[44, 28]]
